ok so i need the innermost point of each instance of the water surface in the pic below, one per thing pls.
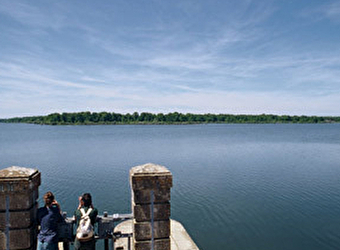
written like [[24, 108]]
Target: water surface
[[237, 187]]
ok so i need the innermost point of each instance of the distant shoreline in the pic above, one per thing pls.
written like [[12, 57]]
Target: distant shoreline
[[174, 118]]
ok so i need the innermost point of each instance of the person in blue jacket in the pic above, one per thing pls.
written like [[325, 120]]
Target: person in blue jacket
[[48, 218]]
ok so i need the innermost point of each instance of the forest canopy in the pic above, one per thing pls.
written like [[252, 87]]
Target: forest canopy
[[90, 118]]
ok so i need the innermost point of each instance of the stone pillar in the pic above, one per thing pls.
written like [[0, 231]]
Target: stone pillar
[[150, 186], [19, 191]]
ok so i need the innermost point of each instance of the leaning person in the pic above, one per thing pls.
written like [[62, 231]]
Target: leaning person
[[85, 217], [48, 218]]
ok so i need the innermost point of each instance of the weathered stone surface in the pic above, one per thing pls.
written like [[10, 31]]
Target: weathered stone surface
[[19, 190], [19, 219], [147, 180], [161, 244], [142, 230], [21, 239], [179, 238], [21, 185], [143, 212], [19, 200], [149, 168], [144, 196], [150, 176], [3, 241], [17, 179], [18, 186], [17, 172], [151, 182]]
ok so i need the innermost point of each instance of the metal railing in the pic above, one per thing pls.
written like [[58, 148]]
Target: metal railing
[[105, 229]]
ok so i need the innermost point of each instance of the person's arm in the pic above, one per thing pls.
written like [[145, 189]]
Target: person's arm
[[60, 216]]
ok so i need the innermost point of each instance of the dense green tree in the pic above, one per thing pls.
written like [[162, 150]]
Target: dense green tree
[[160, 118]]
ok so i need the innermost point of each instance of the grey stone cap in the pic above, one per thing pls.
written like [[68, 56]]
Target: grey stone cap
[[15, 172], [149, 169], [150, 177]]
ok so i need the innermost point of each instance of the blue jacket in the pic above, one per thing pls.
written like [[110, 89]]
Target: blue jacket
[[48, 219]]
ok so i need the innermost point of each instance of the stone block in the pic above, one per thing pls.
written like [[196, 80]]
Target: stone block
[[21, 239], [143, 212], [19, 201], [150, 176], [18, 179], [19, 219], [144, 196], [21, 185], [3, 240], [160, 244], [142, 230]]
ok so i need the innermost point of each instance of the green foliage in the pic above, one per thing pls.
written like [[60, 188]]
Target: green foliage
[[88, 118]]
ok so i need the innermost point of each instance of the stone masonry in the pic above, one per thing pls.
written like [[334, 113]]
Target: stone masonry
[[19, 191], [151, 186]]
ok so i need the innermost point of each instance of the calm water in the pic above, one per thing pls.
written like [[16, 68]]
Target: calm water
[[236, 187]]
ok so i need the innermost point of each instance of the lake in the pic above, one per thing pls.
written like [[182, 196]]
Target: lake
[[236, 186]]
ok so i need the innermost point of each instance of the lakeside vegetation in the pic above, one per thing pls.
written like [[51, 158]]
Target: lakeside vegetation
[[91, 118]]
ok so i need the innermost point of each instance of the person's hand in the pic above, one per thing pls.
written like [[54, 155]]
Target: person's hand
[[57, 204], [81, 202]]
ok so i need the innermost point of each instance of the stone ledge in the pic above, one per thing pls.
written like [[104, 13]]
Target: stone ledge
[[179, 238]]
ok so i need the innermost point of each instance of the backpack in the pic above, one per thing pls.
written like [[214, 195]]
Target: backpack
[[85, 230]]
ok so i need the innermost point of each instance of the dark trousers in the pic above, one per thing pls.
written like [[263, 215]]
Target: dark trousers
[[85, 245]]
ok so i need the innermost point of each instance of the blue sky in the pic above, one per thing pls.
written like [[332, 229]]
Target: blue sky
[[237, 57]]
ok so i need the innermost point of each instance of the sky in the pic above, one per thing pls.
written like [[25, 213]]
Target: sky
[[190, 56]]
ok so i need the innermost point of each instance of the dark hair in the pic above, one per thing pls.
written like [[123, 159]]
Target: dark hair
[[87, 199], [48, 198]]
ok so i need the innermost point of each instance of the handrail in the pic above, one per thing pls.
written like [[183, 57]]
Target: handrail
[[105, 225]]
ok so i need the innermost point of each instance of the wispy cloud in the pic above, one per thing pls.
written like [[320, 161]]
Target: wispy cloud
[[332, 11], [29, 15]]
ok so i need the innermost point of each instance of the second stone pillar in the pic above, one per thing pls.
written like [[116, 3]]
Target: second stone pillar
[[151, 186]]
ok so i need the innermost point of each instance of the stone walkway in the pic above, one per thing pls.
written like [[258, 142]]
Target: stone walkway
[[180, 239]]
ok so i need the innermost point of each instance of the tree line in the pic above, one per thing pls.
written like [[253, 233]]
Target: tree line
[[89, 118]]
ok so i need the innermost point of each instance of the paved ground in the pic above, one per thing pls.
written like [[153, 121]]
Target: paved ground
[[180, 239]]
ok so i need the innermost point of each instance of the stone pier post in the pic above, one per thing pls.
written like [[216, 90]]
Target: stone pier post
[[19, 191], [151, 186]]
